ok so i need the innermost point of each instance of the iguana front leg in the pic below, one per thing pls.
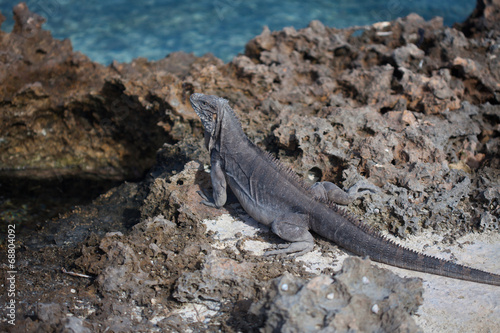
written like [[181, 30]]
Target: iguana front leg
[[330, 191], [292, 227], [219, 185]]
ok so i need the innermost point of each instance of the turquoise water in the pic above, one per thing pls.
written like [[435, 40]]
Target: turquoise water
[[123, 29]]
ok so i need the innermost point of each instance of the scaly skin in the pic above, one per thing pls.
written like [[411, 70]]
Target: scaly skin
[[273, 195]]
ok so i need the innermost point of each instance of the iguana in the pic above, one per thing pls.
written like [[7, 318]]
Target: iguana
[[274, 195]]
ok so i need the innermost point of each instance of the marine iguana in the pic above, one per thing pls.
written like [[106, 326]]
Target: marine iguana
[[274, 195]]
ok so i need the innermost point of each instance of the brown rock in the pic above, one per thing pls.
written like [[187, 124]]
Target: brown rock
[[410, 105]]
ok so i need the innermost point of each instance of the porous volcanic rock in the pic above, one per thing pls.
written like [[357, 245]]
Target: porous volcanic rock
[[410, 105]]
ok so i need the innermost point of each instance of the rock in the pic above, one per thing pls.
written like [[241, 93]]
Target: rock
[[361, 297], [53, 317], [75, 325], [65, 116], [409, 105], [407, 54], [48, 312], [117, 210], [208, 284], [483, 19]]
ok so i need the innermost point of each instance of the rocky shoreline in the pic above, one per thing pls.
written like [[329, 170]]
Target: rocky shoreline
[[410, 105]]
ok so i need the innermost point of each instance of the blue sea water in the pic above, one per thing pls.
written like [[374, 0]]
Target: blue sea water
[[125, 29]]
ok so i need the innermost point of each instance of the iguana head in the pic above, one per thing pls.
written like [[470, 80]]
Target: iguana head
[[209, 109]]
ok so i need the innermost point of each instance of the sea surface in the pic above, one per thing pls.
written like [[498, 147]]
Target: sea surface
[[124, 29]]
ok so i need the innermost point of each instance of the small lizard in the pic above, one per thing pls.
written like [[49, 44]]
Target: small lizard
[[274, 195]]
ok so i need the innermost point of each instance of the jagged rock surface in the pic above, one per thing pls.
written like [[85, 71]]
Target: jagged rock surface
[[411, 105]]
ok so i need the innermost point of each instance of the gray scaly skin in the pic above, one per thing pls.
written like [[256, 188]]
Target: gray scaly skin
[[273, 195]]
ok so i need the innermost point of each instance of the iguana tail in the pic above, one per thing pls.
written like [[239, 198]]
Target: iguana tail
[[354, 236]]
